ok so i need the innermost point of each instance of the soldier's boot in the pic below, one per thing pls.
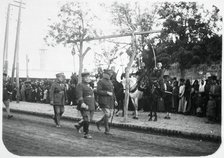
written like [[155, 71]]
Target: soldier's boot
[[106, 124], [86, 130], [150, 114], [155, 117], [57, 120], [78, 126], [99, 122]]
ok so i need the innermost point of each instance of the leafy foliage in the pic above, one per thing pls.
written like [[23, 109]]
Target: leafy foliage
[[189, 34], [75, 21]]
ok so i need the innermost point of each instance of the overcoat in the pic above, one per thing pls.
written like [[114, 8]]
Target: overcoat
[[58, 93], [84, 94], [103, 86]]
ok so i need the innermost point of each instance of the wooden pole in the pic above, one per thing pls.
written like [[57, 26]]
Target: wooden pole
[[5, 51], [14, 58], [115, 36], [127, 80], [27, 68], [17, 53]]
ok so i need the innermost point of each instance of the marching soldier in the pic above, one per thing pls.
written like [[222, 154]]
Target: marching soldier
[[6, 97], [86, 104], [106, 99], [58, 97]]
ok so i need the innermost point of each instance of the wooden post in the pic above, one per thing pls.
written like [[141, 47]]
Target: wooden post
[[114, 36], [127, 81], [5, 51], [27, 68], [17, 53]]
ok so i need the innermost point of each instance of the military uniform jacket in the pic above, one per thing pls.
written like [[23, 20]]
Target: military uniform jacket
[[58, 93], [104, 100], [84, 94]]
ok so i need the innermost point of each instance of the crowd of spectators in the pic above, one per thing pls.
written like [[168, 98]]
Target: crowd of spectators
[[202, 98], [31, 90]]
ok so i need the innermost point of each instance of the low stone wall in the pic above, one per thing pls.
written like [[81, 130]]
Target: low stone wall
[[196, 72]]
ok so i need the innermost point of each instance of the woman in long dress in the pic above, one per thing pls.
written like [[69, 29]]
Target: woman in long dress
[[181, 96]]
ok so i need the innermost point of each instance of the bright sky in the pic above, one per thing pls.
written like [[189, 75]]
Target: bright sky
[[34, 27]]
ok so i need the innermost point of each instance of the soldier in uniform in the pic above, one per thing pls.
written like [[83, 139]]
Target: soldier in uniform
[[106, 99], [58, 97], [86, 104], [6, 97]]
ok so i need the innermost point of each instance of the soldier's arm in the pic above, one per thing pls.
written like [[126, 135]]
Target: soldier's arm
[[51, 92], [66, 96], [79, 94]]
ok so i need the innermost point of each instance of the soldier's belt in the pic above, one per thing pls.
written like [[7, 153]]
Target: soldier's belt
[[88, 96]]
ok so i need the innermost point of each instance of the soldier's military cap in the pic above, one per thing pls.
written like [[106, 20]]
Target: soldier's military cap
[[60, 74], [84, 74], [107, 72]]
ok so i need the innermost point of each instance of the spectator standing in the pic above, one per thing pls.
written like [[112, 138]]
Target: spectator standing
[[5, 97], [167, 96], [187, 95], [206, 94], [175, 96], [181, 97], [194, 96], [214, 103], [199, 104]]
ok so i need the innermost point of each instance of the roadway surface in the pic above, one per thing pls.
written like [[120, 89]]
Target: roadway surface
[[28, 135]]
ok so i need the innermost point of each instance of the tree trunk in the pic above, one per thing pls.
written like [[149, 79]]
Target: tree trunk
[[127, 84], [80, 62], [73, 56], [182, 73]]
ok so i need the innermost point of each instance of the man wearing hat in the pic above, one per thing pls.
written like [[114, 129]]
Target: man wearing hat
[[106, 99], [167, 95], [6, 97], [58, 97], [86, 103]]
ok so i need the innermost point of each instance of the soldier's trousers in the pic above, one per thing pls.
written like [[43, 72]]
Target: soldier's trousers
[[58, 111], [105, 118], [87, 117]]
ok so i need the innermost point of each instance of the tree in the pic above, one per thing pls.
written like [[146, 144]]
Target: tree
[[130, 18], [75, 22], [108, 54], [188, 32]]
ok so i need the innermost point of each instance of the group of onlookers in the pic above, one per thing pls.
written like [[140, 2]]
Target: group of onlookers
[[30, 91], [202, 98]]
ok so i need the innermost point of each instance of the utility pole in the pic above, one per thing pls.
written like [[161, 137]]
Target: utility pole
[[17, 50], [27, 68], [5, 51], [14, 58]]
